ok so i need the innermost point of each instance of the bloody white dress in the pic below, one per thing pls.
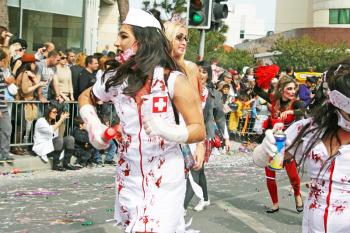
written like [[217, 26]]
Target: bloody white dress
[[150, 179], [327, 207]]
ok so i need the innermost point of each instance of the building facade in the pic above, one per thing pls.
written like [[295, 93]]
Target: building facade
[[82, 25], [244, 25], [311, 13]]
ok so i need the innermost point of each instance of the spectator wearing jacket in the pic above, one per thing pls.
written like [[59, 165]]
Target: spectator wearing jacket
[[305, 92], [83, 148], [5, 120], [76, 69], [87, 76]]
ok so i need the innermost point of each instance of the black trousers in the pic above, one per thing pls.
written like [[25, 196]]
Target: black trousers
[[60, 144], [201, 180]]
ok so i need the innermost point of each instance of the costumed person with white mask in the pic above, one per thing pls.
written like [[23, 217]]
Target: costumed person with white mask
[[145, 89], [322, 143]]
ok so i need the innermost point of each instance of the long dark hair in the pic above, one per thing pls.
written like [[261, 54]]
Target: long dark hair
[[47, 114], [3, 54], [153, 50], [2, 29], [207, 67], [324, 116]]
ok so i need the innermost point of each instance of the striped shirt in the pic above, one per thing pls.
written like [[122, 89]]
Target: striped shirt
[[3, 86]]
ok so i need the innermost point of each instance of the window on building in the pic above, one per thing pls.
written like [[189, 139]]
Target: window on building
[[339, 16], [59, 21], [241, 34]]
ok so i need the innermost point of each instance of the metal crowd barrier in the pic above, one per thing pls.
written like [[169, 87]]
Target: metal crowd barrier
[[23, 120], [242, 127]]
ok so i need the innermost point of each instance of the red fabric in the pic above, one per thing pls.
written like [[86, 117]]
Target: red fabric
[[291, 169], [294, 179], [271, 184], [274, 118], [216, 141], [325, 216], [264, 75], [233, 72], [28, 58], [208, 149]]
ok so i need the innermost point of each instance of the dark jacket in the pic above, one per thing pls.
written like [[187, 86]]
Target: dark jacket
[[213, 113], [81, 139]]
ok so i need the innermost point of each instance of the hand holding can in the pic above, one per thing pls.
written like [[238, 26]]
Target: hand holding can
[[277, 161]]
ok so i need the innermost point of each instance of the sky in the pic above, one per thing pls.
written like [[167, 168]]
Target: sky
[[265, 9]]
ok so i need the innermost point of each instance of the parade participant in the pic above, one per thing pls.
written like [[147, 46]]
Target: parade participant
[[177, 33], [213, 116], [322, 142], [284, 108], [150, 179]]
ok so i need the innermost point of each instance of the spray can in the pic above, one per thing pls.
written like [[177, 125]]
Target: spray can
[[187, 154], [277, 162]]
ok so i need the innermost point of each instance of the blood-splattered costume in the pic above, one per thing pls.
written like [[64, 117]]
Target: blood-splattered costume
[[150, 181], [327, 207]]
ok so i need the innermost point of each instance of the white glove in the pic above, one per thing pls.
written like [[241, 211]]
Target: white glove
[[157, 126], [267, 149], [94, 127]]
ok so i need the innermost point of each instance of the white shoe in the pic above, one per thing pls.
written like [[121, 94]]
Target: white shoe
[[44, 158], [201, 205], [61, 155], [215, 152]]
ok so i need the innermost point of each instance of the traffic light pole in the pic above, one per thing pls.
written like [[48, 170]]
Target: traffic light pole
[[201, 46]]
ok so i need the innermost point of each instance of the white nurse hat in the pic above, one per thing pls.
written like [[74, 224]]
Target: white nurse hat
[[141, 18]]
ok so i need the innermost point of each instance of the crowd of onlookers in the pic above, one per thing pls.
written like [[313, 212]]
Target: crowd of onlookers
[[55, 77], [245, 111], [58, 76]]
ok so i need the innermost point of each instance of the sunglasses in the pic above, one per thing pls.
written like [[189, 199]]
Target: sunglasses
[[19, 50], [63, 58], [54, 112], [181, 37]]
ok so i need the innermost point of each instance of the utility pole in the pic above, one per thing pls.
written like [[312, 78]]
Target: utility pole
[[201, 46]]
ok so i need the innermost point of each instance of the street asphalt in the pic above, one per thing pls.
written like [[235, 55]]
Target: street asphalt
[[83, 201]]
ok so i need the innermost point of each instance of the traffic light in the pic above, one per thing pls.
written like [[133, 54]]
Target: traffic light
[[219, 12], [199, 14]]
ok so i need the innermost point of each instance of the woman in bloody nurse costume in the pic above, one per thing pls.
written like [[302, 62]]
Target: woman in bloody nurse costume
[[150, 180], [322, 143]]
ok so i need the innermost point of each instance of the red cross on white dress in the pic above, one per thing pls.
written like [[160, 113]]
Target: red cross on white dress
[[160, 104]]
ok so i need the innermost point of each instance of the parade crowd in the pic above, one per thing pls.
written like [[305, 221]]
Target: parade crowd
[[161, 100]]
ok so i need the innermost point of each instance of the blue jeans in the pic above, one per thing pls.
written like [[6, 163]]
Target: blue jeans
[[111, 151], [97, 157]]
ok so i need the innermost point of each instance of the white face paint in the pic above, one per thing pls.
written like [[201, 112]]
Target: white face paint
[[342, 122]]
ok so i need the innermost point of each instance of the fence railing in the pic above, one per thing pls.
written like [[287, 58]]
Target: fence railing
[[25, 113], [241, 127]]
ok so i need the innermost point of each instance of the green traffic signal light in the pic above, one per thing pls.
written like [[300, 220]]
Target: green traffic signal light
[[197, 18], [199, 13]]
